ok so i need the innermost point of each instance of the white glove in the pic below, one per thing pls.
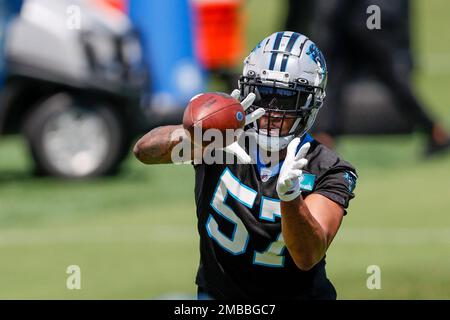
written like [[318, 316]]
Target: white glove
[[235, 148], [288, 184]]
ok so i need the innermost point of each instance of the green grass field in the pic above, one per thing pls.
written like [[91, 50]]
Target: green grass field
[[134, 236]]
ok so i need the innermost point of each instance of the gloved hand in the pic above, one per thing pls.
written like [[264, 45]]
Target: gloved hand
[[235, 148], [288, 184]]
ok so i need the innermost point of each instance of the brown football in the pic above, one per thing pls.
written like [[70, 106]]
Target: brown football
[[213, 110]]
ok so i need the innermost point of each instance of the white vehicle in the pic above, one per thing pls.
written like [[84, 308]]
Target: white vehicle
[[73, 87]]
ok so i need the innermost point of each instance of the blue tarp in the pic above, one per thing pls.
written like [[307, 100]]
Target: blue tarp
[[8, 9], [166, 30]]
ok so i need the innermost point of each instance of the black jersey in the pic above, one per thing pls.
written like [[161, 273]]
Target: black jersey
[[242, 253]]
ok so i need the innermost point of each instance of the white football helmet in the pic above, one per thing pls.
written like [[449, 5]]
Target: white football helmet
[[288, 74]]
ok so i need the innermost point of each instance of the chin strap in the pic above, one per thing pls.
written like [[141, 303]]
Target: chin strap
[[274, 144]]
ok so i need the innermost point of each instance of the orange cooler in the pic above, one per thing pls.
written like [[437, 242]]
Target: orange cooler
[[218, 32]]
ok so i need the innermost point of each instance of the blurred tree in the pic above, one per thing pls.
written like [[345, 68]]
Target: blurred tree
[[340, 29]]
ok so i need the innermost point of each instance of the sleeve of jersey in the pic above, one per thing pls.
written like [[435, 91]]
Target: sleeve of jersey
[[338, 184]]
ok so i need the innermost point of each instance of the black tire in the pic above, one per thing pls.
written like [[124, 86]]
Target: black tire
[[38, 125]]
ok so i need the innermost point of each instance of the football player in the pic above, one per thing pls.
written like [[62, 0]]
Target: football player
[[265, 227]]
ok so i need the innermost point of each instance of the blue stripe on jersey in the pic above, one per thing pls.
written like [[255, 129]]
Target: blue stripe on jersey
[[306, 138], [289, 47], [260, 165], [276, 46]]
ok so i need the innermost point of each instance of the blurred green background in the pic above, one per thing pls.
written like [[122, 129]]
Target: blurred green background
[[134, 236]]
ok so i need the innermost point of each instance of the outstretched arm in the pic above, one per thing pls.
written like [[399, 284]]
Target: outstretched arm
[[157, 145]]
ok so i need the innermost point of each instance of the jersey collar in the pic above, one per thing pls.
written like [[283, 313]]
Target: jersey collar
[[267, 172]]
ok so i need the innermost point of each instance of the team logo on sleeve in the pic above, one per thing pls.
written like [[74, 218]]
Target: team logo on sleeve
[[350, 177], [307, 181]]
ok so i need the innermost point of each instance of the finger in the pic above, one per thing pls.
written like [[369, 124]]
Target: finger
[[282, 189], [292, 148], [240, 153], [303, 151], [293, 174], [236, 94], [248, 101], [284, 186], [300, 164], [255, 115]]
